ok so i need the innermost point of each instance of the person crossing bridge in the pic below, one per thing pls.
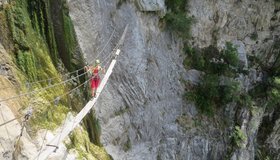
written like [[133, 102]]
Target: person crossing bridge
[[95, 77]]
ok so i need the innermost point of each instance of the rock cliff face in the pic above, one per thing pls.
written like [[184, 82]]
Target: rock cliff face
[[142, 112], [253, 26], [139, 107]]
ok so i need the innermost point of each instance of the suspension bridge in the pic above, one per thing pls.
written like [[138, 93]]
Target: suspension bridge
[[47, 148]]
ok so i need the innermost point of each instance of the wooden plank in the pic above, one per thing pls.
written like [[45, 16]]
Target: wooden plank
[[70, 125]]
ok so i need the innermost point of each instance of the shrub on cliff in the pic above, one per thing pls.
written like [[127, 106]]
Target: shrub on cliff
[[238, 137], [176, 18], [217, 86]]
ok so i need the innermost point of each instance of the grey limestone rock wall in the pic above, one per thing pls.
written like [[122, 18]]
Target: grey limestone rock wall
[[139, 106], [151, 5], [141, 111]]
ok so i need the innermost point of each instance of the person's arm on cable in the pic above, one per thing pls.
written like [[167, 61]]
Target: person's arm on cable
[[86, 68], [103, 70]]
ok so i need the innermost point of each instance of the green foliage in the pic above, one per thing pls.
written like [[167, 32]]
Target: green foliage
[[4, 29], [97, 131], [94, 129], [261, 155], [176, 19], [217, 85], [33, 58], [194, 59], [179, 23], [271, 83], [48, 116], [210, 94], [176, 5], [18, 26], [230, 55], [86, 150], [254, 36], [238, 137], [206, 94], [31, 51], [26, 62], [35, 51], [211, 61], [70, 40], [274, 93], [229, 92], [39, 13], [269, 87], [65, 36], [245, 100]]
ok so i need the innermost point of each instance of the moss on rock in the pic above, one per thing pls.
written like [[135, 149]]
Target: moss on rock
[[79, 139], [29, 32]]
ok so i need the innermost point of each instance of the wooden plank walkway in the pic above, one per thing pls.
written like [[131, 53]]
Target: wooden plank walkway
[[69, 126]]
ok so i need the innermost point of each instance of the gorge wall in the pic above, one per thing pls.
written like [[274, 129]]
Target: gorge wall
[[142, 112]]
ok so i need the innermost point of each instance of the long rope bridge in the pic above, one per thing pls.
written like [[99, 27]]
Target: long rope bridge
[[47, 148]]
